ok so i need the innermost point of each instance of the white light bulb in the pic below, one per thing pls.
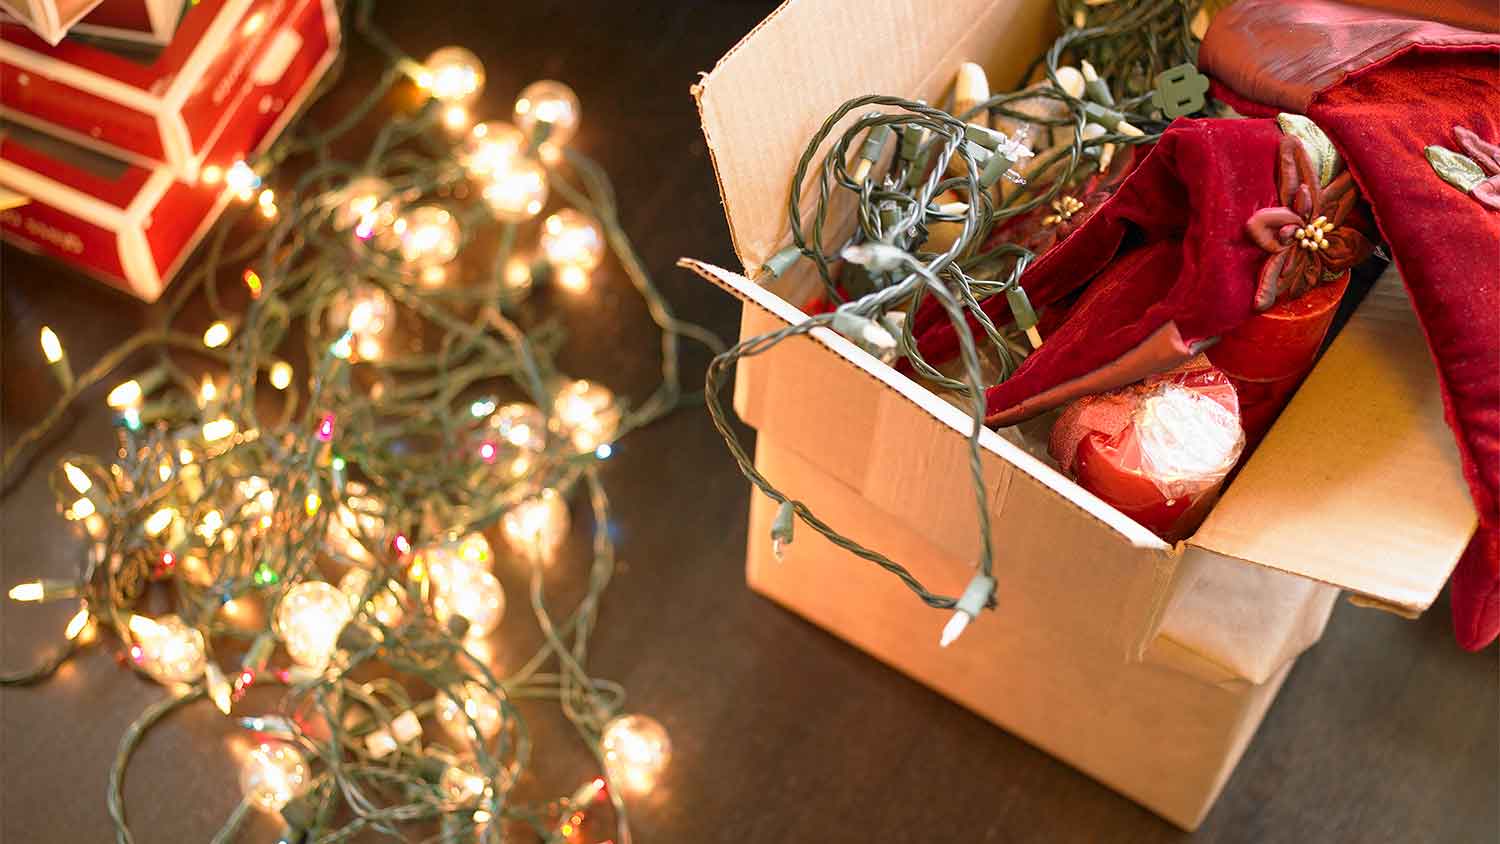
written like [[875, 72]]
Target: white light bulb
[[462, 784], [636, 750], [242, 180], [383, 606], [475, 708], [125, 395], [512, 438], [358, 514], [518, 192], [309, 619], [367, 205], [572, 239], [78, 478], [429, 236], [586, 414], [281, 375], [537, 526], [452, 75], [273, 774], [492, 148], [517, 278], [462, 584], [170, 651], [367, 312], [552, 102], [51, 346]]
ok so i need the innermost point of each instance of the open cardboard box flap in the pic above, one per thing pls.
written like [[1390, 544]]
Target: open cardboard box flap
[[1358, 484]]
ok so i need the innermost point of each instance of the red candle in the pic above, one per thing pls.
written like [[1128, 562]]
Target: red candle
[[1269, 355], [1157, 451]]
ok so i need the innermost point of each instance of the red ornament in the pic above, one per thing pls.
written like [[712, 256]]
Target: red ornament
[[1158, 450]]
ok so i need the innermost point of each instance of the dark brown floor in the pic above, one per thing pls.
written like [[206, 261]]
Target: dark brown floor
[[1384, 732]]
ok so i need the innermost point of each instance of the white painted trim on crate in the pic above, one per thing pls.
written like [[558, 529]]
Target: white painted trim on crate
[[148, 197], [77, 203], [76, 138], [86, 80], [209, 46], [136, 262], [177, 144]]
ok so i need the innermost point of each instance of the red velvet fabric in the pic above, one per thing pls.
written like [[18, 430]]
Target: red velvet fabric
[[1445, 242], [1166, 262]]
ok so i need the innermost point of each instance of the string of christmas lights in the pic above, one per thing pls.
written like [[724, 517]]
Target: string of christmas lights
[[311, 495], [930, 187]]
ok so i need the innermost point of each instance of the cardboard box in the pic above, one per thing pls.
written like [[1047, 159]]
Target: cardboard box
[[1146, 665], [132, 226], [49, 19], [170, 109]]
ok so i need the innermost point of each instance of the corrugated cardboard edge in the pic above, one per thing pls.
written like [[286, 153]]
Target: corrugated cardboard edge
[[1377, 387], [951, 417]]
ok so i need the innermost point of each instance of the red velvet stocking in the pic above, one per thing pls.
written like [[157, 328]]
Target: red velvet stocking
[[1383, 90]]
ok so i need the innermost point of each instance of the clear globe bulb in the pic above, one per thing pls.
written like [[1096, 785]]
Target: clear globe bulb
[[429, 236], [512, 437], [636, 750], [462, 784], [367, 312], [309, 619], [273, 774], [171, 651], [367, 205], [452, 75], [383, 606], [474, 708], [572, 239], [537, 526], [462, 584], [491, 148], [518, 192], [585, 413], [552, 102]]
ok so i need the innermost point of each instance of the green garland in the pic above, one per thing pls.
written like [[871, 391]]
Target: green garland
[[240, 494]]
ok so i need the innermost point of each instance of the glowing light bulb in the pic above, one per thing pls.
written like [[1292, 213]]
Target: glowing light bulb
[[383, 606], [572, 239], [78, 478], [357, 515], [518, 192], [367, 313], [551, 102], [517, 278], [218, 429], [273, 774], [125, 395], [217, 334], [83, 508], [476, 595], [281, 375], [572, 278], [537, 526], [456, 119], [170, 650], [159, 521], [367, 204], [475, 708], [491, 148], [31, 591], [429, 236], [636, 750], [512, 438], [452, 75], [242, 180], [586, 414], [78, 625], [462, 784], [51, 346], [267, 204], [309, 619], [219, 689]]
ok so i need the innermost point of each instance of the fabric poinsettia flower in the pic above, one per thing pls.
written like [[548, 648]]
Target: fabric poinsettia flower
[[1305, 235], [1477, 172]]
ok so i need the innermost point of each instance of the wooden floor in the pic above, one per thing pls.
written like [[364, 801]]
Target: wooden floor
[[1385, 731]]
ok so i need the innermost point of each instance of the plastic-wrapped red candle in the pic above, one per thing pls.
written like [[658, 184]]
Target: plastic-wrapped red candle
[[1157, 451], [1268, 356]]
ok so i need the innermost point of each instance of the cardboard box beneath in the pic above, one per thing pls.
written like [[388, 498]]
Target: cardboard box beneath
[[1147, 665]]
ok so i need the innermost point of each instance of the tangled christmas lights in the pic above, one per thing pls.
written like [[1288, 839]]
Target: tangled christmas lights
[[314, 507]]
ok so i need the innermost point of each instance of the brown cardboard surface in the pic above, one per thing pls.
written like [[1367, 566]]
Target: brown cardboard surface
[[1038, 666], [1359, 483], [766, 98]]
